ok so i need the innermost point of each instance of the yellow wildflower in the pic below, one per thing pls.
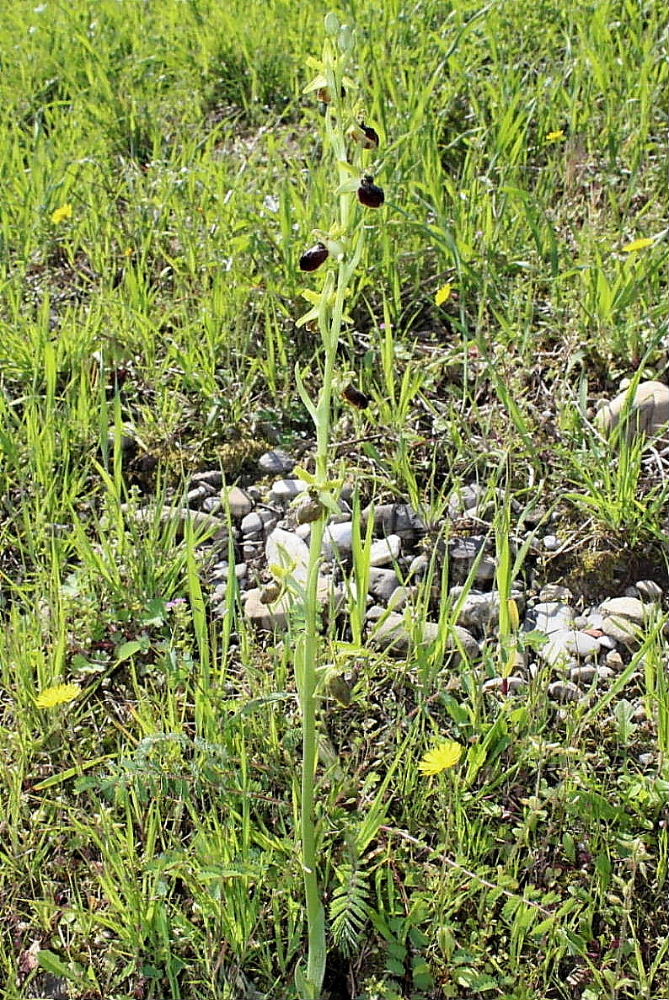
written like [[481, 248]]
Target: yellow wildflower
[[556, 136], [635, 245], [62, 213], [60, 694], [443, 295], [446, 755]]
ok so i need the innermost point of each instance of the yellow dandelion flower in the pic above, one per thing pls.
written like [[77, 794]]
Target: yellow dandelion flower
[[62, 213], [443, 295], [59, 694], [556, 136], [446, 755], [635, 245]]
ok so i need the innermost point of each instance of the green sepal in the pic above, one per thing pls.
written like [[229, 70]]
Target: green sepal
[[317, 83]]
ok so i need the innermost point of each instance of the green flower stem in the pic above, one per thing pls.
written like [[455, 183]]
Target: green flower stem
[[307, 656], [309, 648]]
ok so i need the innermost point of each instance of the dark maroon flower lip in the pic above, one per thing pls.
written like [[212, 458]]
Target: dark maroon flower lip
[[312, 258], [371, 135], [355, 397], [369, 193]]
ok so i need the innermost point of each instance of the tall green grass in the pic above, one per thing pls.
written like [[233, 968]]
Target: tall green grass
[[147, 831]]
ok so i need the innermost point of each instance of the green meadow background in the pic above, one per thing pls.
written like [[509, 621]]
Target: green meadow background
[[160, 175]]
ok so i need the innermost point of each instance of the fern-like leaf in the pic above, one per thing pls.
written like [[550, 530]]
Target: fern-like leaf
[[349, 909]]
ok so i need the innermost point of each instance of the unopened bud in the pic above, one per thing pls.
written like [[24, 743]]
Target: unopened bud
[[331, 24]]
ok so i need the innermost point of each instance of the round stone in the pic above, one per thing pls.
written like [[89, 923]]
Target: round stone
[[252, 525], [400, 597], [338, 539], [385, 550], [512, 683], [548, 617], [382, 583], [624, 607], [276, 462], [419, 566], [564, 691], [622, 630], [283, 490], [288, 550], [583, 675], [238, 502]]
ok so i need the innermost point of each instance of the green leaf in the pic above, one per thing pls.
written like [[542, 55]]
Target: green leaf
[[302, 392], [128, 649], [50, 962], [476, 756], [71, 772]]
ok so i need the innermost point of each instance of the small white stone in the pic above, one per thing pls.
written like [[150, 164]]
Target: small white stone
[[554, 593], [385, 550], [549, 617], [288, 550], [622, 629], [238, 502], [614, 660], [283, 490], [252, 525], [624, 607], [276, 462], [649, 590], [338, 539], [513, 683], [564, 691], [583, 675]]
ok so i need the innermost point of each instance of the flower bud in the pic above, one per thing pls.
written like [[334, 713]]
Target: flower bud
[[369, 193], [331, 24], [270, 593], [312, 258], [339, 690], [345, 39], [309, 511]]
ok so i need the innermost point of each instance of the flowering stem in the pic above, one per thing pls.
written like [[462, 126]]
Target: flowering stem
[[314, 907], [349, 244]]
